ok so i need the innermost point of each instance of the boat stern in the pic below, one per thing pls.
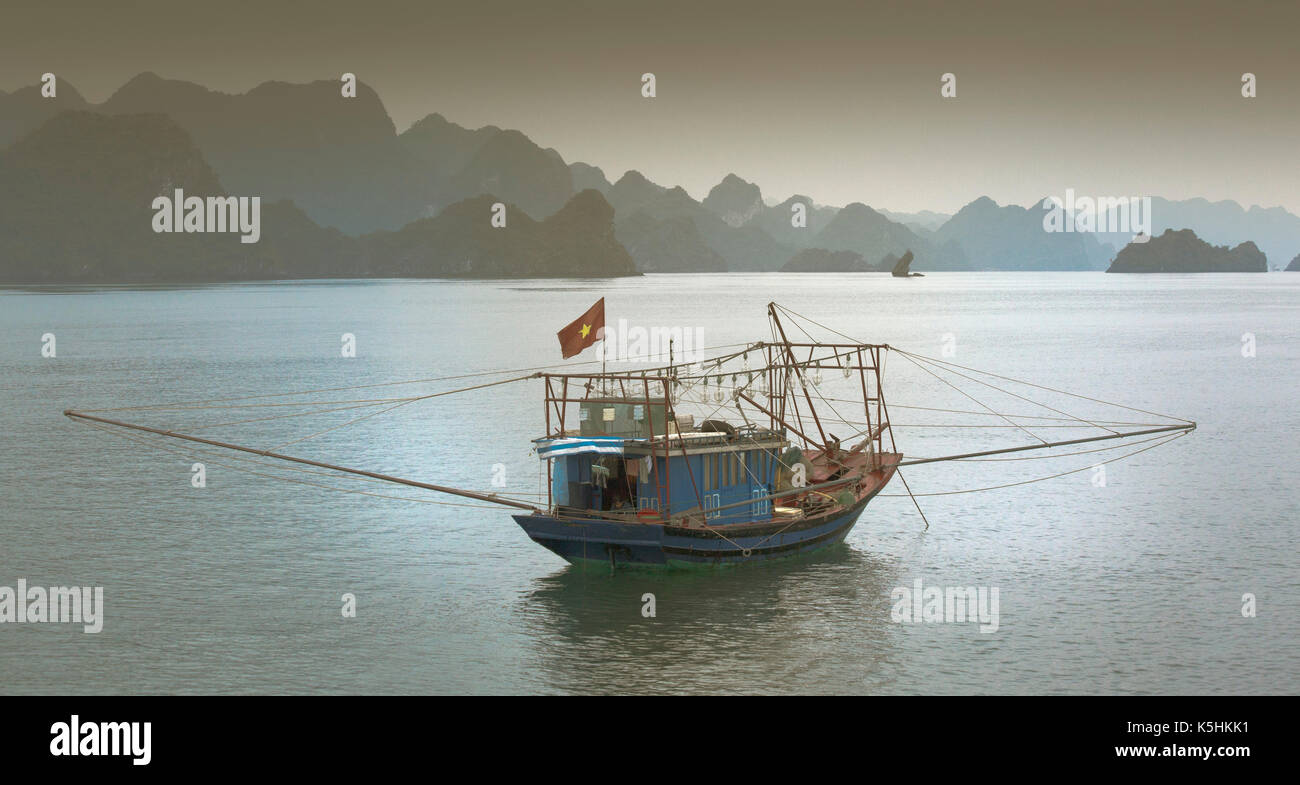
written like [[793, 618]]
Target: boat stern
[[594, 542]]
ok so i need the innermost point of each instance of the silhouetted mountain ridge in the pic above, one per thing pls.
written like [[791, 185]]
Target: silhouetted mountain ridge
[[78, 207], [1010, 237], [343, 164]]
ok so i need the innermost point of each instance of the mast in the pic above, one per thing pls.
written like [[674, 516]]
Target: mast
[[785, 342]]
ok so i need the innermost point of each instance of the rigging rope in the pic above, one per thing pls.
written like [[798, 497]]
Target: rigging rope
[[988, 373], [1014, 395], [1165, 440], [968, 395], [535, 368]]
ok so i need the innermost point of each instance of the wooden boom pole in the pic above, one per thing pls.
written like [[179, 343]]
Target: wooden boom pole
[[1166, 429], [485, 497]]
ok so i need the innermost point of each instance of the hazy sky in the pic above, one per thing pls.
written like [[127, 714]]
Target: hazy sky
[[839, 101]]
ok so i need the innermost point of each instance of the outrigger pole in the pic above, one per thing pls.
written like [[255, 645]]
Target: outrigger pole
[[485, 497], [1166, 429]]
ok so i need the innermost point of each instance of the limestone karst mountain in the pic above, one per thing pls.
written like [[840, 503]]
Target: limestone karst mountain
[[78, 208], [919, 222], [576, 241], [1010, 237], [793, 227], [735, 201], [515, 169], [668, 245], [1274, 230], [1181, 251], [587, 176], [337, 158], [863, 230], [25, 110], [342, 164], [443, 147], [743, 248], [77, 205]]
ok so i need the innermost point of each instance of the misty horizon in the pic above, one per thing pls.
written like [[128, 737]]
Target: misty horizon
[[840, 104]]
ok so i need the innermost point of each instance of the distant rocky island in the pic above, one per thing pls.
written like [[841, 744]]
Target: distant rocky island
[[344, 193], [1294, 267], [1181, 251]]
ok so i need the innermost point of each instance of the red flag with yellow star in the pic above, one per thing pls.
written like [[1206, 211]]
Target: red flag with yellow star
[[583, 331]]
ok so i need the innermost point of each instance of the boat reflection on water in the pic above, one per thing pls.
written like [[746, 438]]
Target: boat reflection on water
[[777, 626]]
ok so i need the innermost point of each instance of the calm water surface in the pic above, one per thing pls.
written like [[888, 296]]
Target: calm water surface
[[1134, 586]]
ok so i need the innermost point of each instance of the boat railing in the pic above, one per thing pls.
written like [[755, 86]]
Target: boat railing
[[813, 499]]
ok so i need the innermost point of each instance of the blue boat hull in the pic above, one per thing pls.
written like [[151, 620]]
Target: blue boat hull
[[586, 542]]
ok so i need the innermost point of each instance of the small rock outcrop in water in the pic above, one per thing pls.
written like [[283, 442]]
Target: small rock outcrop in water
[[902, 268], [1294, 267], [820, 260], [1181, 251]]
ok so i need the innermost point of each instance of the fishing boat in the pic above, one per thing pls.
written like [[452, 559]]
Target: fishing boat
[[636, 484], [633, 480]]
